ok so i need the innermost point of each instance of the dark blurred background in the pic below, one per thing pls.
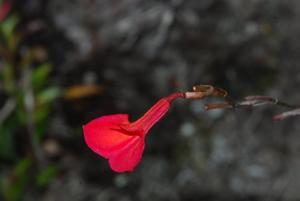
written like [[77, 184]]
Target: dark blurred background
[[63, 63]]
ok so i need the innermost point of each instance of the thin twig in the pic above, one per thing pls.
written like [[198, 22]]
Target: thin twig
[[263, 100], [248, 101], [287, 114]]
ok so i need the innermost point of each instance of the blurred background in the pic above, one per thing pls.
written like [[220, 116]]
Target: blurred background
[[63, 63]]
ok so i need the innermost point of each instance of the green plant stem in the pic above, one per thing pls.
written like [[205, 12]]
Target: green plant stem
[[29, 103], [7, 109]]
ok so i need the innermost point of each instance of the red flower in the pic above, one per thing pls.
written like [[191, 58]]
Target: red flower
[[4, 10], [120, 141]]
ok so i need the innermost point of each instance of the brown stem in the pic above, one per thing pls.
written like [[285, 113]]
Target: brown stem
[[248, 101], [213, 106], [287, 114]]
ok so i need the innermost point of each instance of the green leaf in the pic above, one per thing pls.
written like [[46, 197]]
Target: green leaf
[[41, 113], [21, 117], [48, 95], [40, 76], [8, 78], [7, 149], [40, 118], [45, 176], [7, 28], [22, 166], [9, 24], [13, 190], [41, 128]]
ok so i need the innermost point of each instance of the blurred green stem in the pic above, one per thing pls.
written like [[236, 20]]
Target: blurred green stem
[[7, 109], [29, 104]]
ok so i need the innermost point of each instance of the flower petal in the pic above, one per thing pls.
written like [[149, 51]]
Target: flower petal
[[104, 135], [129, 156]]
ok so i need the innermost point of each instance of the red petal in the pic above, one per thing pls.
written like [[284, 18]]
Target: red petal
[[129, 156], [103, 135]]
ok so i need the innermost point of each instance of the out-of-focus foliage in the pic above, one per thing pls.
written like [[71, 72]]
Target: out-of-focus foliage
[[45, 176], [27, 99], [14, 184]]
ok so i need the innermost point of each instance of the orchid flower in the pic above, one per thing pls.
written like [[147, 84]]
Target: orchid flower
[[122, 142]]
